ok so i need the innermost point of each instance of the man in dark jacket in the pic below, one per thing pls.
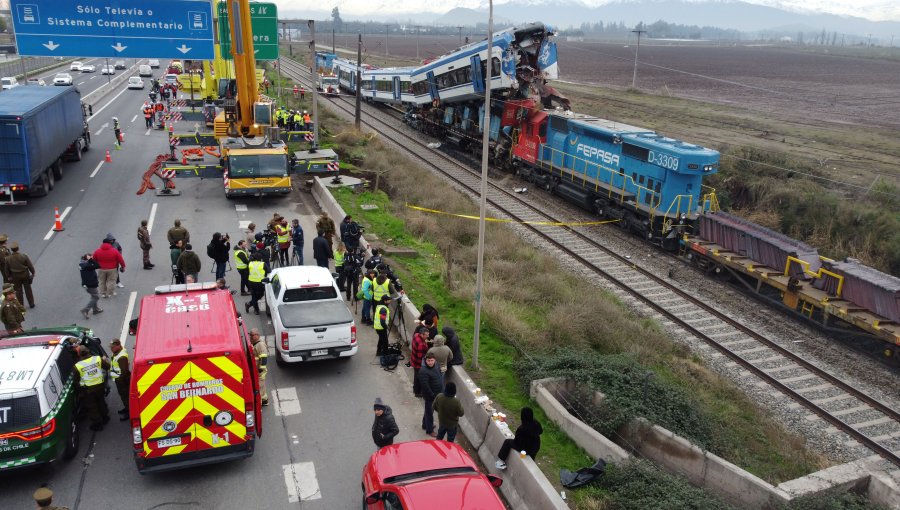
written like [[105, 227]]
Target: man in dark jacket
[[189, 263], [218, 250], [528, 438], [384, 428], [453, 344], [297, 239], [449, 410], [322, 250], [91, 284], [350, 233], [431, 383]]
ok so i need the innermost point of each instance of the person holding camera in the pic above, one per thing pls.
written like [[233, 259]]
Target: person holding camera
[[88, 268], [218, 249], [351, 233], [353, 262], [283, 237]]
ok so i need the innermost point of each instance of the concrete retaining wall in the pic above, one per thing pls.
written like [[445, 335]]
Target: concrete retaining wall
[[677, 455], [524, 484]]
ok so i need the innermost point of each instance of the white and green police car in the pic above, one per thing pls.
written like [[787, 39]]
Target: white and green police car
[[38, 403]]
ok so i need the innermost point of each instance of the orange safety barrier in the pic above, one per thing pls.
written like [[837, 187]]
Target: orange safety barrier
[[154, 169], [212, 150], [192, 153]]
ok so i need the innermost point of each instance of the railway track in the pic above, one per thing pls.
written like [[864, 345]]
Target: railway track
[[837, 402]]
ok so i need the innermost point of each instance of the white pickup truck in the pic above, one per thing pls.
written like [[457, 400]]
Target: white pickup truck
[[311, 319]]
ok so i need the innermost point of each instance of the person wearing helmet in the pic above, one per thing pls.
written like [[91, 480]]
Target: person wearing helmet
[[117, 130], [90, 377], [307, 121]]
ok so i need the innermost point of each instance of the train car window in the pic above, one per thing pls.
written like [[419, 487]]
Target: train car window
[[635, 152], [542, 130], [634, 177], [404, 85], [648, 198], [559, 124], [657, 187], [641, 180], [495, 69], [649, 183]]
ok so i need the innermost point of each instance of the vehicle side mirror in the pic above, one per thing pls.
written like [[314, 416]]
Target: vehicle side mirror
[[266, 280], [495, 480], [373, 498]]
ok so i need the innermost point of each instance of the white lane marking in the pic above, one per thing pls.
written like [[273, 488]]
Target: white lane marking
[[286, 401], [107, 104], [148, 132], [301, 482], [97, 132], [134, 118], [240, 207], [81, 83], [92, 77], [61, 218], [152, 217], [244, 225], [96, 169], [124, 336]]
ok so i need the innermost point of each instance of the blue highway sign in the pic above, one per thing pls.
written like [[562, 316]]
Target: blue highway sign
[[124, 28]]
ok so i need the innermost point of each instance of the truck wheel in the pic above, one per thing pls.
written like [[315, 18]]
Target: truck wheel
[[72, 441], [77, 152], [51, 182], [57, 170], [87, 143], [279, 361]]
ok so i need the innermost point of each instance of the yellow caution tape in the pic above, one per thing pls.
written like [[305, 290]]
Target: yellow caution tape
[[501, 220]]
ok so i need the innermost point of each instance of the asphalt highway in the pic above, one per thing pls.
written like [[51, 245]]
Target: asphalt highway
[[316, 433]]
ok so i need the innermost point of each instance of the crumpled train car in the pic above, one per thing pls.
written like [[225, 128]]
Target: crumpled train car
[[758, 243]]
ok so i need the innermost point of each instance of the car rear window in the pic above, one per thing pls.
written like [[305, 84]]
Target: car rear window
[[408, 477], [19, 412], [309, 294]]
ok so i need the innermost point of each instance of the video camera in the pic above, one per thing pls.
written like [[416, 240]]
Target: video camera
[[269, 237], [387, 271]]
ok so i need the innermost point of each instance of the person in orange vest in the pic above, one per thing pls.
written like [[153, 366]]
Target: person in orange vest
[[302, 93], [159, 108], [307, 120], [148, 115]]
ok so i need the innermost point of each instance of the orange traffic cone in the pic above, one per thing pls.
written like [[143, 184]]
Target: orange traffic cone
[[171, 127], [183, 159], [108, 157], [57, 226]]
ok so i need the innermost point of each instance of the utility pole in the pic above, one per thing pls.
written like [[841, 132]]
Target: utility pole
[[387, 29], [315, 88], [358, 114], [460, 35], [419, 29], [485, 145], [636, 50], [332, 42]]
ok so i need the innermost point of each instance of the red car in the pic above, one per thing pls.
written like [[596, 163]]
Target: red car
[[433, 475]]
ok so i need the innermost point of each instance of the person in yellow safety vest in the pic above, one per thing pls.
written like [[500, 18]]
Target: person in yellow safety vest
[[283, 234], [241, 261], [368, 296], [257, 270], [381, 287], [382, 324], [120, 373], [261, 353], [297, 121], [339, 252], [307, 121], [89, 376]]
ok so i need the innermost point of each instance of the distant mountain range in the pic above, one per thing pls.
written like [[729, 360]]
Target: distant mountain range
[[726, 14]]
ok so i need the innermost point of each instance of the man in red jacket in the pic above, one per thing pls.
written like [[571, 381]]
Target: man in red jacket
[[110, 260]]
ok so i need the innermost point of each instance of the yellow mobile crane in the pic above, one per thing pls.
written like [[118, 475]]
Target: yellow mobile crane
[[255, 159]]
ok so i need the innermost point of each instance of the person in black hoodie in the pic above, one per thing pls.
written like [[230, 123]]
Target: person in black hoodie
[[528, 438], [218, 250], [453, 343], [384, 428], [90, 282], [431, 383]]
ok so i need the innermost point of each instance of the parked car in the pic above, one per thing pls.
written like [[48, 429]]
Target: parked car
[[436, 475], [135, 82], [107, 70], [75, 66], [120, 64], [309, 314], [62, 79], [88, 68], [8, 82], [36, 81], [154, 63]]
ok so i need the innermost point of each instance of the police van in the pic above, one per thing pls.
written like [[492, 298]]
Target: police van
[[38, 403], [194, 396]]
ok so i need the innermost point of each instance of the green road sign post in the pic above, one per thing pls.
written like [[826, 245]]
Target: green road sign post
[[264, 21]]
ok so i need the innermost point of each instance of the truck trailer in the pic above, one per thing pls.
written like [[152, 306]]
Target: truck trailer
[[39, 128]]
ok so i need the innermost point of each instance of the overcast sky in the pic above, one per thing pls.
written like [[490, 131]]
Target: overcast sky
[[879, 10]]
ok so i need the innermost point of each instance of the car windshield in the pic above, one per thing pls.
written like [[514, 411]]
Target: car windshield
[[62, 76], [19, 411], [6, 81], [418, 475], [262, 165], [134, 80]]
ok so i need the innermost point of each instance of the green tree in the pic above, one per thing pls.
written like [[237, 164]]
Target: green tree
[[336, 18]]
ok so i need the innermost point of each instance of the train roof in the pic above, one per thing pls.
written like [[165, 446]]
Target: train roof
[[591, 122], [502, 40], [634, 134]]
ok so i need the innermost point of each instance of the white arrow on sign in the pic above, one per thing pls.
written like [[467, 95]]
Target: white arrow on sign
[[50, 46], [183, 49], [118, 47]]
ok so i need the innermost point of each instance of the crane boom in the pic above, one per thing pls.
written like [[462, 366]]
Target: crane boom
[[244, 65]]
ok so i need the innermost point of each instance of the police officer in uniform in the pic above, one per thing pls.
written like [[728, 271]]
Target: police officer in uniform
[[241, 263], [89, 376], [261, 353], [121, 374], [43, 497], [12, 313], [256, 272], [4, 252], [382, 323], [21, 273]]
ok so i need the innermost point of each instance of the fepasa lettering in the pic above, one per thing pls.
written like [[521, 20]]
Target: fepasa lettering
[[593, 152]]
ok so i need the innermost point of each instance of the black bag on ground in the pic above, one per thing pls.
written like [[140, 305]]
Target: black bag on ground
[[583, 476], [390, 359]]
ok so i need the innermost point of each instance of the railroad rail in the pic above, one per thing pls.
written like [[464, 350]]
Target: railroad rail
[[833, 400]]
